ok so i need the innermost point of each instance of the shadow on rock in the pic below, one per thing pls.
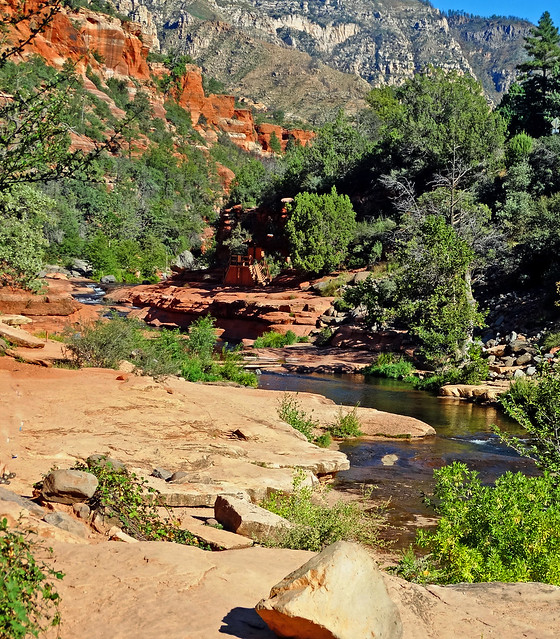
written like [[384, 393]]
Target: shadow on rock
[[245, 623]]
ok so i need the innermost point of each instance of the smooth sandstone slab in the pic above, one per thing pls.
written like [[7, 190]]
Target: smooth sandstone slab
[[19, 337]]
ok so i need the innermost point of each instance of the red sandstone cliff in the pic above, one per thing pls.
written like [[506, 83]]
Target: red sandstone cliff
[[113, 48]]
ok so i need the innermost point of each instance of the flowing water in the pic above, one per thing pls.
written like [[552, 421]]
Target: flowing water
[[463, 429]]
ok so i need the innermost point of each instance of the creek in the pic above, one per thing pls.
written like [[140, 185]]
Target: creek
[[463, 430]]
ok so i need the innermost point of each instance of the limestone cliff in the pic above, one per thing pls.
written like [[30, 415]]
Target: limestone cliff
[[259, 47]]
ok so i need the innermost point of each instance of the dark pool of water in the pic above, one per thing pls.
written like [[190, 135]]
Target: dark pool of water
[[463, 429]]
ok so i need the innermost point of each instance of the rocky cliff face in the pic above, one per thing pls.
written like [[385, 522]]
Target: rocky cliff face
[[381, 41], [493, 46], [112, 48]]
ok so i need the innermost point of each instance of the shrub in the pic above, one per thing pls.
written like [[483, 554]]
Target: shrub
[[509, 531], [103, 343], [324, 336], [551, 340], [128, 498], [346, 425], [387, 365], [106, 344], [323, 441], [272, 339], [291, 412], [28, 599], [536, 407], [316, 524]]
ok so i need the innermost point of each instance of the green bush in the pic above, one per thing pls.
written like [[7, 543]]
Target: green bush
[[323, 441], [536, 407], [391, 366], [346, 425], [291, 412], [551, 340], [160, 353], [128, 498], [272, 339], [104, 344], [509, 531], [28, 599], [315, 524]]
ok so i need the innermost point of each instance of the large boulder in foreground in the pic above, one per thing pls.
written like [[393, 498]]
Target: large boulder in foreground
[[338, 594]]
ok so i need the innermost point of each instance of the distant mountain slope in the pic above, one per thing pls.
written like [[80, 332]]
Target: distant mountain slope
[[277, 52]]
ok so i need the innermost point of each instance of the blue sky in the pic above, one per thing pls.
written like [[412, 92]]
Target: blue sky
[[522, 8]]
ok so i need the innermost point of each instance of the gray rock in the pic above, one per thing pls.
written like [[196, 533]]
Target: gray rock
[[531, 370], [338, 594], [361, 277], [103, 460], [244, 518], [518, 373], [32, 507], [161, 473], [68, 486], [82, 267], [66, 522], [184, 260], [81, 510], [523, 359], [108, 279], [509, 361]]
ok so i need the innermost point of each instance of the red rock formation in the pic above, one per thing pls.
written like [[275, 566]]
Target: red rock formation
[[77, 35], [112, 47]]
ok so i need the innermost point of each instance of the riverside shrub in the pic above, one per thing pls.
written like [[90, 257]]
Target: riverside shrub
[[315, 524], [508, 531], [157, 353]]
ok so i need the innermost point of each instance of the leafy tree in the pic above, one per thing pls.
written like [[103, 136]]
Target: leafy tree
[[535, 405], [23, 212], [319, 230], [337, 150], [533, 102], [437, 122], [274, 143], [428, 292]]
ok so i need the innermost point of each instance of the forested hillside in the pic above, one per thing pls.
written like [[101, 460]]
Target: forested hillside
[[116, 155]]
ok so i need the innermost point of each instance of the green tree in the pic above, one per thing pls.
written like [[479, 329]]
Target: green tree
[[532, 103], [274, 143], [535, 405], [438, 122], [319, 230], [23, 212], [334, 154]]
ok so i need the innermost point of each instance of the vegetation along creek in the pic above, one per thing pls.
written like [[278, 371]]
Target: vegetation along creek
[[464, 433]]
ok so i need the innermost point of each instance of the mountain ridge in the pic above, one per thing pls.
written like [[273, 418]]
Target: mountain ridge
[[369, 42]]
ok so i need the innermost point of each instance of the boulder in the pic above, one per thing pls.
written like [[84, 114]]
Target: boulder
[[66, 522], [108, 279], [15, 320], [184, 260], [82, 267], [20, 337], [247, 519], [338, 594], [68, 486]]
